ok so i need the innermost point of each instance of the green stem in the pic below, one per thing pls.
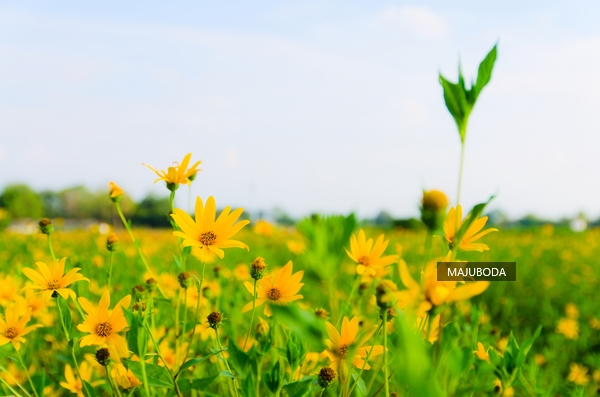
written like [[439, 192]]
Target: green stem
[[163, 360], [385, 366], [460, 172], [110, 267], [235, 386], [137, 246], [196, 317], [77, 368], [113, 387], [177, 332], [62, 321], [50, 247], [26, 373], [13, 391], [252, 319], [145, 377], [366, 359], [349, 302]]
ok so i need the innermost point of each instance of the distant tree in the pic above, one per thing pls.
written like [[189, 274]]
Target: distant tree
[[21, 201], [152, 211]]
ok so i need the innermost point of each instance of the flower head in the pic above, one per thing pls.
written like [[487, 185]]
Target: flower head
[[115, 192], [347, 346], [368, 255], [52, 280], [454, 222], [578, 374], [13, 327], [124, 377], [207, 233], [482, 353], [280, 288], [73, 383], [104, 326], [568, 327], [433, 208], [179, 174]]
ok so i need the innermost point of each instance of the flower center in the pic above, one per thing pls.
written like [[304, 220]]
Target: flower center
[[53, 284], [274, 294], [342, 351], [208, 238], [11, 333], [364, 261], [104, 329]]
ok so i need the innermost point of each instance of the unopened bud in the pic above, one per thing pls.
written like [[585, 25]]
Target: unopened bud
[[257, 268], [214, 320], [326, 377], [46, 226], [112, 242], [103, 356], [322, 314], [184, 279]]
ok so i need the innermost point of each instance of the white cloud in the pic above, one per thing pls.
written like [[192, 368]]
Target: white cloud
[[420, 21]]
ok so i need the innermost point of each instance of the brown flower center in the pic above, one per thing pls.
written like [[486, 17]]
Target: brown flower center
[[364, 261], [208, 238], [342, 351], [104, 329], [54, 284], [11, 333], [274, 294]]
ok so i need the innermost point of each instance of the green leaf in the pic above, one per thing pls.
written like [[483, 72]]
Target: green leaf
[[484, 74], [186, 385], [300, 388], [195, 361], [361, 387], [303, 323], [157, 376], [526, 346], [237, 358], [472, 217]]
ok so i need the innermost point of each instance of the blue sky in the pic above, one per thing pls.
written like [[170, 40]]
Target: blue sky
[[308, 106]]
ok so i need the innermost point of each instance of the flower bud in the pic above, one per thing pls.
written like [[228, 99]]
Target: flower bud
[[322, 314], [385, 294], [214, 320], [433, 209], [257, 268], [103, 356], [112, 242], [115, 192], [326, 377], [46, 226], [184, 279], [138, 306]]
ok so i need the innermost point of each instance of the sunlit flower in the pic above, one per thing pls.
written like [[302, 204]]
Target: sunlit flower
[[73, 383], [502, 343], [179, 174], [578, 374], [104, 326], [510, 392], [482, 353], [206, 232], [568, 327], [9, 287], [13, 327], [52, 280], [368, 255], [347, 346], [454, 222], [124, 377], [263, 228], [280, 288], [571, 311], [432, 292], [114, 190]]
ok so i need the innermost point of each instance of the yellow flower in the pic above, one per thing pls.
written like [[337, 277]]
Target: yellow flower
[[279, 288], [52, 280], [339, 346], [572, 311], [103, 327], [368, 255], [114, 190], [578, 374], [568, 327], [263, 228], [482, 353], [13, 327], [510, 392], [453, 223], [124, 377], [73, 383], [180, 173], [9, 287], [433, 292], [502, 344], [206, 232]]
